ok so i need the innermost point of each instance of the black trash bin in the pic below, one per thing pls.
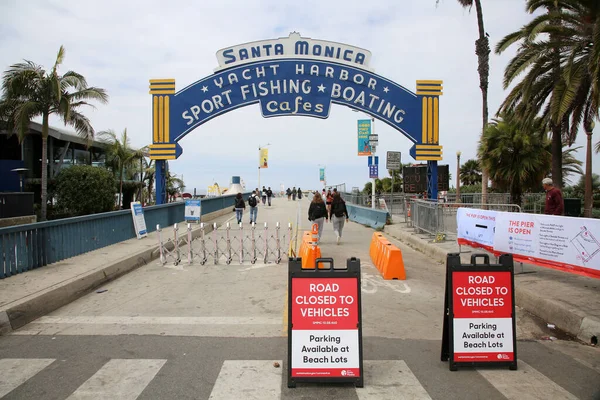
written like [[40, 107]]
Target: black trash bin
[[572, 207]]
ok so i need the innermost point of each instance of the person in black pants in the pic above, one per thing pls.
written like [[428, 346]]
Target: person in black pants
[[317, 212], [269, 195]]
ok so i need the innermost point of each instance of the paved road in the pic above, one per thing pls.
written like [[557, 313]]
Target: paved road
[[215, 331]]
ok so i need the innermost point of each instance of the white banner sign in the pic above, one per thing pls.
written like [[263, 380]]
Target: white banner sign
[[139, 222], [564, 242], [192, 210], [476, 227]]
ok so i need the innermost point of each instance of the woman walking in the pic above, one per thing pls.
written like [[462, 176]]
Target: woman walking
[[240, 205], [317, 212], [299, 193], [294, 193], [337, 214], [328, 200]]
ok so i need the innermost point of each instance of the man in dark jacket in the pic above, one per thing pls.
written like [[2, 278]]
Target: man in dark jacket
[[269, 195], [554, 199]]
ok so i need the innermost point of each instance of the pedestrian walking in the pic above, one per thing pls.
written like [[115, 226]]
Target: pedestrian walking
[[264, 195], [294, 193], [328, 200], [253, 203], [299, 193], [269, 195], [338, 214], [289, 194], [239, 207], [554, 200], [323, 194], [317, 212]]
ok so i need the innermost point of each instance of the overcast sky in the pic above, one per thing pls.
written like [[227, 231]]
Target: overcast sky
[[119, 45]]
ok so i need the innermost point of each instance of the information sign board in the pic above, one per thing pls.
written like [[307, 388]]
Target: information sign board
[[139, 222], [325, 329], [393, 160], [193, 210], [415, 179], [479, 313]]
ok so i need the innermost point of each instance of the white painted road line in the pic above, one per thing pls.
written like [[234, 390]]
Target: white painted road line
[[525, 383], [248, 380], [390, 380], [110, 320], [16, 371], [119, 379]]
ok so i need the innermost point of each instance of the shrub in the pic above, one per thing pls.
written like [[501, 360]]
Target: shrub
[[84, 189]]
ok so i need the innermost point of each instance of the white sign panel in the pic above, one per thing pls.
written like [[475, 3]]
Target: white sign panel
[[476, 227], [294, 46], [475, 335], [325, 349], [192, 210], [138, 219], [563, 242]]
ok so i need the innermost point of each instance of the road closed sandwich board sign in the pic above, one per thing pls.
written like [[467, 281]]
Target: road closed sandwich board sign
[[479, 313], [324, 328]]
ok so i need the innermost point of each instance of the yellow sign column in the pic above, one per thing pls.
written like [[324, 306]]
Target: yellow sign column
[[161, 148], [430, 150]]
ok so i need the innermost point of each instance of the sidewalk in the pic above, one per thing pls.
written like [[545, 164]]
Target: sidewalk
[[30, 295], [569, 301]]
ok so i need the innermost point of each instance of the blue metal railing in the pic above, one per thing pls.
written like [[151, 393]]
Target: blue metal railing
[[29, 246]]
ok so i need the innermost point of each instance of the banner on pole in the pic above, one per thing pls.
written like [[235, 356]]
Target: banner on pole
[[322, 174], [364, 131], [263, 161]]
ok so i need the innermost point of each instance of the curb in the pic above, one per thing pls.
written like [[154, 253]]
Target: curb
[[18, 315], [571, 321]]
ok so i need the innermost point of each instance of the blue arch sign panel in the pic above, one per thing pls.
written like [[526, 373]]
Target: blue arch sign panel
[[294, 76]]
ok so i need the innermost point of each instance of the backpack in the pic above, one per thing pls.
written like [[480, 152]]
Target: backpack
[[252, 201]]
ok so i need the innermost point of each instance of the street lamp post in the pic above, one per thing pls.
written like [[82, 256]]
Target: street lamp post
[[373, 149], [260, 161], [458, 176], [588, 200]]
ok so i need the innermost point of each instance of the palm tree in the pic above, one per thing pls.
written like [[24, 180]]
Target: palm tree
[[561, 49], [571, 165], [29, 92], [148, 172], [120, 155], [515, 156], [482, 49], [173, 184], [470, 172]]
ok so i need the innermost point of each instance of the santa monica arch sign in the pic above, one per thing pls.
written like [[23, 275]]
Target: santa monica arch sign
[[294, 76]]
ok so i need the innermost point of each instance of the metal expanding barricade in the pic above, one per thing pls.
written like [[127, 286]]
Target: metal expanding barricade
[[234, 244], [439, 219]]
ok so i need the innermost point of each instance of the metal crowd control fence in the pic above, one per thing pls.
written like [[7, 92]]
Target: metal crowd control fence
[[29, 246], [238, 244], [439, 219]]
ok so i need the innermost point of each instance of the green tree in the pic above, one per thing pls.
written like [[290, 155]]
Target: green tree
[[516, 157], [470, 172], [560, 50], [571, 165], [482, 50], [84, 189], [120, 156], [29, 91], [174, 184]]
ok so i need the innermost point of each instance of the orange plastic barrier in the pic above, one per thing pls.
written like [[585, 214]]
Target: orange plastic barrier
[[387, 258], [309, 250]]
